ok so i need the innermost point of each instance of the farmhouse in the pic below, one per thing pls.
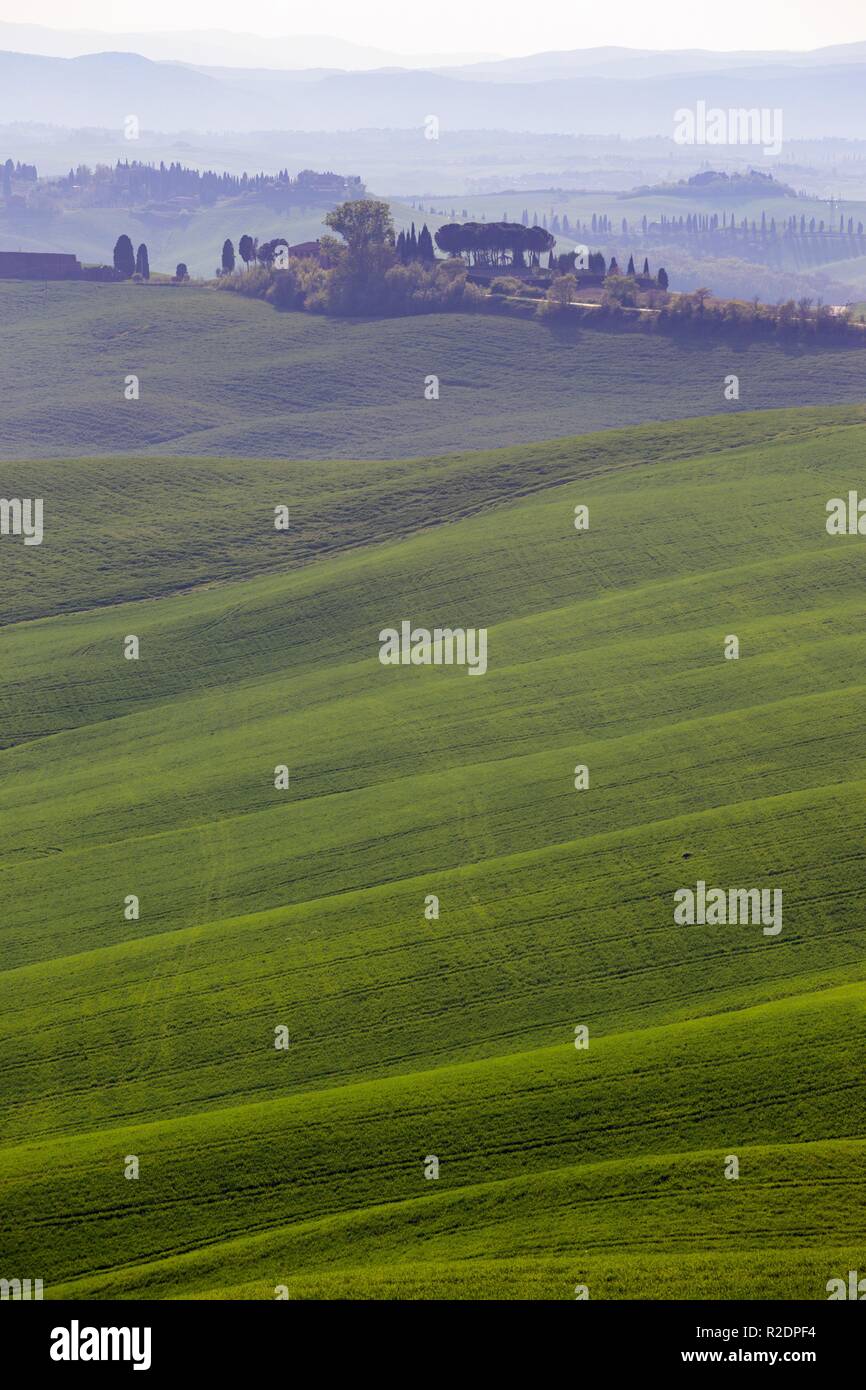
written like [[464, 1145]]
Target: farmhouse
[[306, 250], [38, 265]]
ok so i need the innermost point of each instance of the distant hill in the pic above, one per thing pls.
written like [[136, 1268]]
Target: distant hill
[[616, 61], [717, 183], [224, 375], [102, 89], [219, 47]]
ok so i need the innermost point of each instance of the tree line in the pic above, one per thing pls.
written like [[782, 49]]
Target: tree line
[[495, 243], [723, 225], [11, 170], [132, 181]]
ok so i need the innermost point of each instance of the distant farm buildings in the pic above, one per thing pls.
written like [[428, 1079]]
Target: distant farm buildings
[[306, 250], [51, 265], [39, 265]]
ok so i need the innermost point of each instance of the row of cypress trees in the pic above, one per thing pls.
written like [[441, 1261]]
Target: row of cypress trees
[[128, 262], [415, 246]]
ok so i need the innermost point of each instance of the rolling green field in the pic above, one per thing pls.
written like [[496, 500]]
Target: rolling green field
[[303, 1169], [224, 376]]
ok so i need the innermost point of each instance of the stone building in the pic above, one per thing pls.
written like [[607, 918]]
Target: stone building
[[38, 265]]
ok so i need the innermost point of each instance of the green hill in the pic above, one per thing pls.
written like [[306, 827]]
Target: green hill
[[305, 908], [227, 377], [196, 238]]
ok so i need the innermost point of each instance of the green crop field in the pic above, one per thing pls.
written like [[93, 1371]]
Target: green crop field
[[410, 1036], [226, 376]]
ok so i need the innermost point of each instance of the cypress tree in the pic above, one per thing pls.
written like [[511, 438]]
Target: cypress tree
[[142, 263], [124, 257], [425, 245]]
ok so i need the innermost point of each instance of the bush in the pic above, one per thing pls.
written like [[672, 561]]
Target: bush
[[253, 283], [506, 284], [414, 288], [620, 289], [284, 291], [560, 297], [399, 289]]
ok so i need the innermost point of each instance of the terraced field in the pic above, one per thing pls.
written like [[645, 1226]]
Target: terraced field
[[303, 1169]]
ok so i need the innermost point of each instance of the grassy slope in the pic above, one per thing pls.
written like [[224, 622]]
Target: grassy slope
[[306, 908], [224, 376]]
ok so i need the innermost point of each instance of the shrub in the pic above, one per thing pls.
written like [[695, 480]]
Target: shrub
[[506, 284], [559, 297], [399, 289], [253, 283], [284, 291], [620, 289]]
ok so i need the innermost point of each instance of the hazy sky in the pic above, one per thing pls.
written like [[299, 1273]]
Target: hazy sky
[[496, 26]]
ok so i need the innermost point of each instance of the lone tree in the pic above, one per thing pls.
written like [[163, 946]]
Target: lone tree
[[358, 283], [142, 263], [228, 257], [367, 228], [181, 273], [662, 278], [124, 257], [246, 250], [562, 291]]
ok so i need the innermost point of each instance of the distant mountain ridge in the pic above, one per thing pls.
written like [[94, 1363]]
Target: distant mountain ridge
[[104, 89], [641, 62], [222, 48], [218, 47]]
